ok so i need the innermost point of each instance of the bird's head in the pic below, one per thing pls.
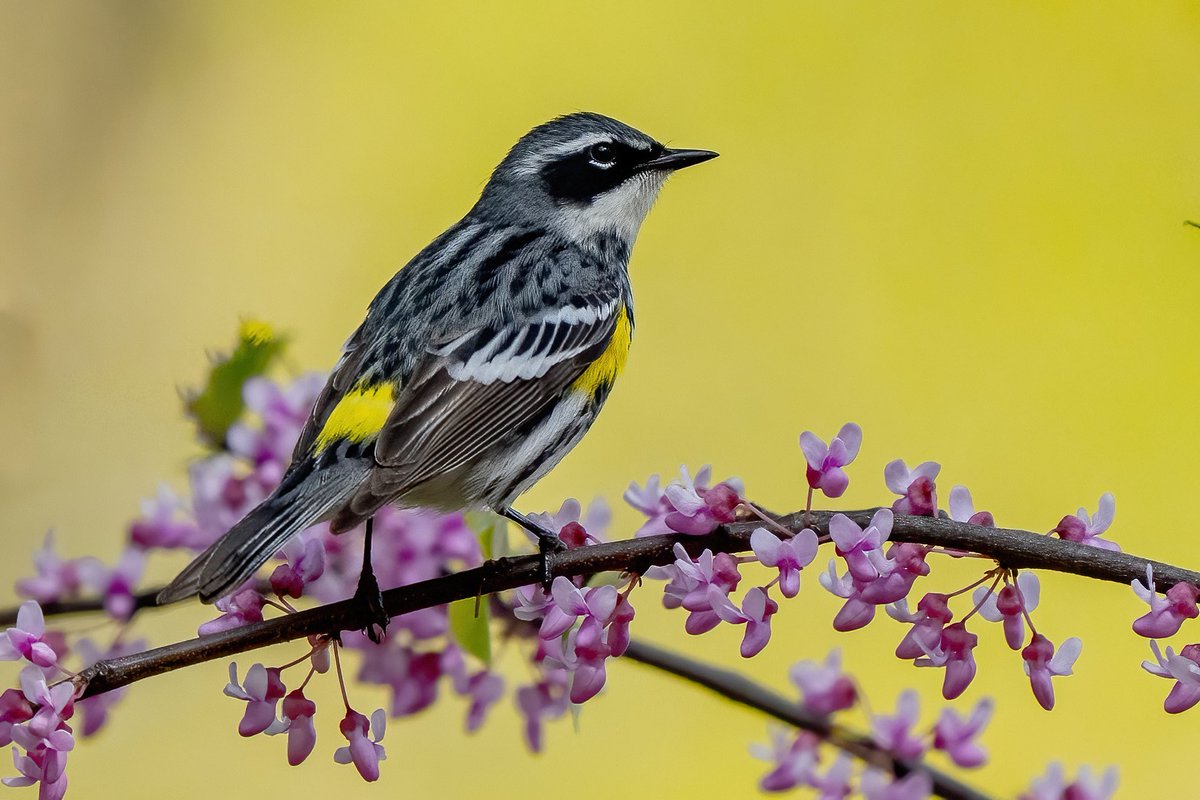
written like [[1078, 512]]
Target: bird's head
[[585, 174]]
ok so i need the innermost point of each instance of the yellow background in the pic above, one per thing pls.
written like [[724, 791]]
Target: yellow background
[[958, 224]]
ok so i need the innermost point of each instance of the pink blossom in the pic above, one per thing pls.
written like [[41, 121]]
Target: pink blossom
[[686, 505], [954, 652], [573, 526], [116, 585], [1010, 606], [53, 706], [789, 556], [262, 691], [532, 602], [569, 603], [618, 625], [26, 640], [916, 487], [1042, 664], [412, 676], [880, 785], [240, 608], [538, 702], [281, 412], [826, 689], [1184, 668], [897, 571], [1167, 613], [894, 733], [932, 615], [835, 783], [698, 510], [854, 543], [305, 556], [484, 689], [689, 586], [825, 463], [161, 525], [1053, 785], [582, 656], [962, 509], [364, 750], [1082, 528], [956, 736], [14, 709], [57, 578], [793, 758], [297, 722], [856, 612], [755, 613]]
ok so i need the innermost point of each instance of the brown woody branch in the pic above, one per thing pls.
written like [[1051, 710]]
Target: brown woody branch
[[1011, 548]]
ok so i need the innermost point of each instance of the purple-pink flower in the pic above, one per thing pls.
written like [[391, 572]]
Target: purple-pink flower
[[1010, 606], [1042, 663], [1085, 529], [26, 640], [916, 487], [880, 785], [824, 687], [895, 733], [296, 721], [57, 578], [789, 556], [687, 505], [1167, 612], [955, 653], [261, 691], [825, 462], [115, 585], [793, 757], [569, 603], [755, 613], [956, 736], [363, 750], [1054, 785], [931, 617], [1184, 669], [305, 556], [240, 608], [962, 509], [854, 544]]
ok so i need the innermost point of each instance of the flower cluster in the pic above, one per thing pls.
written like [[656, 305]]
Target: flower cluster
[[796, 757]]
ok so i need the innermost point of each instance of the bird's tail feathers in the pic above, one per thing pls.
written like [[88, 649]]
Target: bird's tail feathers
[[235, 557]]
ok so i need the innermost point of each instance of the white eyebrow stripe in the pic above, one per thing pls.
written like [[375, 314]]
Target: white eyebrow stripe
[[536, 160]]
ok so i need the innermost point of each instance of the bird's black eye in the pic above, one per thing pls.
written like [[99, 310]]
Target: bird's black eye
[[602, 154]]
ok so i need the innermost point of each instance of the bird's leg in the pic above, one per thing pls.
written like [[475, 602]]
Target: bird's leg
[[368, 595], [548, 542]]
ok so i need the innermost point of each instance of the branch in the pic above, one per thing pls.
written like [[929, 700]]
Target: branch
[[740, 689], [1011, 548]]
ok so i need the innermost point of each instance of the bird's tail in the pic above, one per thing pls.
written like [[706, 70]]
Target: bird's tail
[[235, 557]]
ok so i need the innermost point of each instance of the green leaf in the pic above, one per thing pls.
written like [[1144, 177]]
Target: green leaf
[[471, 630], [488, 528], [219, 403]]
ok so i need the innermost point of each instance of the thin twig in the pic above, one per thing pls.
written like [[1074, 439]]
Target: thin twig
[[740, 689]]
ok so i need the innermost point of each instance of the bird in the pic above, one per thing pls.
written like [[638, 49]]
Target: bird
[[481, 363]]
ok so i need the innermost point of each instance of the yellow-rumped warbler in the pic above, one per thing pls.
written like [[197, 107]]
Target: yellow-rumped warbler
[[483, 361]]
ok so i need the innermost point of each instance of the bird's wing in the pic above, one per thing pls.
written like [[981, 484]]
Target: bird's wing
[[472, 390], [345, 374]]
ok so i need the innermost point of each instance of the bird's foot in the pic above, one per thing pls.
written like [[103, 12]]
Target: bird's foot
[[549, 545], [368, 597]]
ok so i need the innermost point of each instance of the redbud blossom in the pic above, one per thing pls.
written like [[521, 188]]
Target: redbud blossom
[[918, 493], [962, 509], [789, 556], [1054, 786], [854, 543], [1184, 668], [305, 556], [57, 578], [1010, 605], [932, 615], [1042, 663], [161, 524], [825, 463], [262, 691], [364, 750], [755, 613], [793, 756], [880, 785], [1167, 613], [825, 687], [954, 652], [297, 721], [26, 640], [1082, 528], [894, 733], [956, 736], [240, 608]]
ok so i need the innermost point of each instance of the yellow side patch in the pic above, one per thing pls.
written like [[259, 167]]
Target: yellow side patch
[[358, 416], [605, 369]]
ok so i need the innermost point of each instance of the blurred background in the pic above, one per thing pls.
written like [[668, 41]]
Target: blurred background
[[960, 225]]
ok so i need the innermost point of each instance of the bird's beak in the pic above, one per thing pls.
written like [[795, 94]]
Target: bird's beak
[[678, 159]]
